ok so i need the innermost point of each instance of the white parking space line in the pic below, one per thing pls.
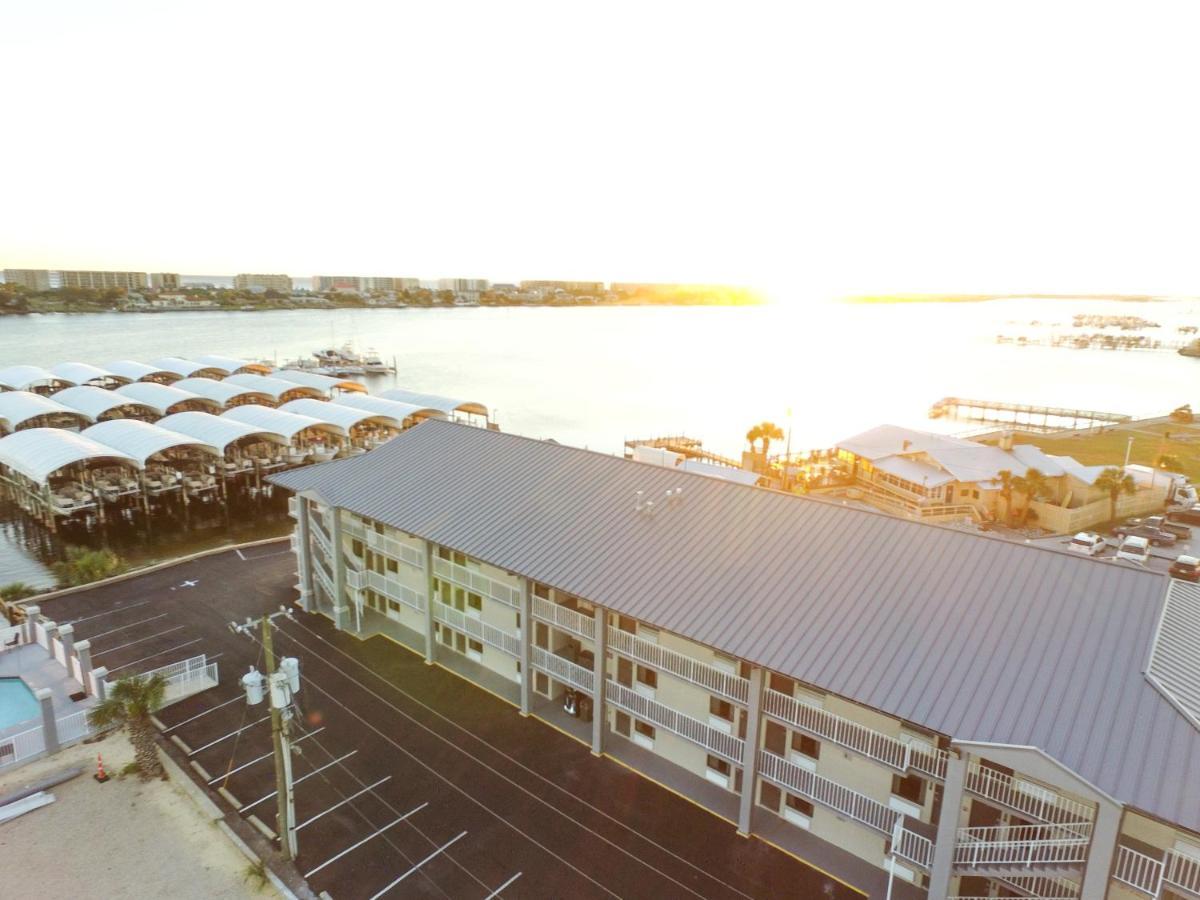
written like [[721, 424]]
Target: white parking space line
[[96, 637], [160, 653], [259, 759], [110, 612], [355, 846], [206, 712], [341, 803], [436, 852], [317, 771], [259, 556], [148, 637], [496, 892], [226, 737]]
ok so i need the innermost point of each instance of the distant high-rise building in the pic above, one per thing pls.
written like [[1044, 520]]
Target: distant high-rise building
[[571, 287], [463, 285], [322, 283], [33, 279], [164, 281], [130, 281], [336, 283], [246, 282]]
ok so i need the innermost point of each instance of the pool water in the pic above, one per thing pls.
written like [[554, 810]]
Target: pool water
[[17, 703]]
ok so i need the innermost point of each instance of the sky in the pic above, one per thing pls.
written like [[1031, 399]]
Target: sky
[[813, 149]]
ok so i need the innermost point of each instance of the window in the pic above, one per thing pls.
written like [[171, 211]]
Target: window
[[802, 743], [719, 765], [541, 683], [720, 708], [378, 528], [769, 796], [356, 547], [393, 606], [648, 677], [624, 623], [622, 723], [443, 553], [643, 729], [910, 787], [460, 559], [475, 602], [800, 805], [782, 684], [775, 738], [392, 565], [475, 647]]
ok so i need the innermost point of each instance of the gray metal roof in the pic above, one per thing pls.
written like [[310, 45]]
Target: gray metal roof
[[976, 637], [1174, 664]]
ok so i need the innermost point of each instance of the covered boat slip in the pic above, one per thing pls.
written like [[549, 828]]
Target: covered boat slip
[[279, 389], [30, 378], [100, 405], [79, 373], [165, 399], [453, 407], [129, 371], [186, 368], [406, 414], [364, 429], [20, 410], [244, 449], [223, 392], [308, 438], [328, 386]]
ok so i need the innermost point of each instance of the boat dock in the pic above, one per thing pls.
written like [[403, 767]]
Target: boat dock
[[1024, 415], [687, 447]]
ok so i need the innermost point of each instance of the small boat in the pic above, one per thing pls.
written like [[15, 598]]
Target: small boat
[[321, 453], [1192, 349], [373, 364]]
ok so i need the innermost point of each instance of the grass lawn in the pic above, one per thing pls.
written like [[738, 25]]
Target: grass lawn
[[1108, 447]]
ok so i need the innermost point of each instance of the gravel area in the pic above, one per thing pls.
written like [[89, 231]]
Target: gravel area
[[121, 839]]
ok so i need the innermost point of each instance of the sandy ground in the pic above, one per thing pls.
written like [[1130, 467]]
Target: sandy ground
[[122, 839]]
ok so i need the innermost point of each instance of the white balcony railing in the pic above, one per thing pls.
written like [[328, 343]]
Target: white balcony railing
[[914, 848], [394, 590], [563, 669], [397, 550], [476, 581], [1138, 871], [718, 742], [565, 618], [1041, 804], [481, 631], [1023, 846], [870, 743], [1182, 871], [682, 666], [839, 798], [323, 579], [322, 538]]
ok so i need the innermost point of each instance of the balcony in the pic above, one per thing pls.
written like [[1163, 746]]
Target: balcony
[[870, 743], [718, 742], [1026, 798], [1149, 875], [565, 618], [321, 536], [840, 799], [397, 550], [1023, 846], [394, 590], [680, 665], [476, 581], [563, 670], [481, 631]]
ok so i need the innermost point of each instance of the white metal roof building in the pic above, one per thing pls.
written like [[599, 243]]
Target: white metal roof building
[[81, 373], [397, 410], [186, 368], [129, 370], [23, 409], [223, 392], [217, 431], [165, 399], [278, 388], [40, 452], [285, 423], [448, 405], [229, 365], [22, 378], [322, 383], [97, 403], [141, 440], [345, 417]]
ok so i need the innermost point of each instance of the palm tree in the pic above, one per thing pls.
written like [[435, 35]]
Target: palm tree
[[83, 566], [1033, 486], [130, 704], [1006, 492], [1116, 482], [1168, 461], [753, 435], [765, 432]]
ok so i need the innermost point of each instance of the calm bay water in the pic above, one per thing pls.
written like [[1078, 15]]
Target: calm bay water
[[594, 376]]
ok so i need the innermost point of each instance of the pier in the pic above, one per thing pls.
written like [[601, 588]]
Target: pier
[[687, 447], [1003, 413]]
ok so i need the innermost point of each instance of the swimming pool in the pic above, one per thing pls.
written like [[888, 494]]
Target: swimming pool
[[17, 703]]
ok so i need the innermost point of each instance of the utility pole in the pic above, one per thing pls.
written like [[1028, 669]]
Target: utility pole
[[281, 686]]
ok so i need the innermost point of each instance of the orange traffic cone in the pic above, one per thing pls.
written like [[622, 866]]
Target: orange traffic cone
[[101, 776]]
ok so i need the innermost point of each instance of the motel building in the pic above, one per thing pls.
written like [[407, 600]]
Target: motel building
[[975, 717]]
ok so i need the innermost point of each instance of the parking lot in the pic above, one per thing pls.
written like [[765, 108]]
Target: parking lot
[[410, 781], [1160, 557]]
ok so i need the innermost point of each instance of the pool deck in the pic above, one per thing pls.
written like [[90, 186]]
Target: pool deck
[[32, 665]]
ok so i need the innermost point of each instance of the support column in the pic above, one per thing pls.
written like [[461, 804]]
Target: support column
[[527, 630], [341, 608], [100, 676], [947, 830], [49, 727], [31, 617], [66, 634], [430, 599], [750, 752], [1101, 852], [51, 630], [304, 555], [84, 651], [599, 676]]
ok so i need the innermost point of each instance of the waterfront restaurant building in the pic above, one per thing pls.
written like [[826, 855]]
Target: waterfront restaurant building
[[984, 718]]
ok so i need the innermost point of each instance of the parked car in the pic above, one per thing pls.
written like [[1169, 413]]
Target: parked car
[[1181, 532], [1187, 514], [1155, 536], [1186, 568], [1087, 542], [1135, 549]]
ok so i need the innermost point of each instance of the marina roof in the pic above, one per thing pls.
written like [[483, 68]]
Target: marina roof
[[19, 407], [433, 401], [395, 409], [185, 368], [22, 378], [40, 452], [221, 392], [228, 365], [286, 423], [93, 402], [323, 383], [142, 440], [346, 417], [131, 370], [275, 387], [969, 635], [215, 430], [79, 373], [161, 397]]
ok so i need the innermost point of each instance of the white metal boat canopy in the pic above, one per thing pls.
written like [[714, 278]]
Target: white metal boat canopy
[[216, 430], [445, 404], [186, 368], [286, 423], [18, 407], [322, 383], [79, 372], [40, 452], [275, 387], [132, 370], [142, 440], [229, 365], [332, 414], [93, 402], [160, 397], [395, 409], [221, 392], [22, 378]]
